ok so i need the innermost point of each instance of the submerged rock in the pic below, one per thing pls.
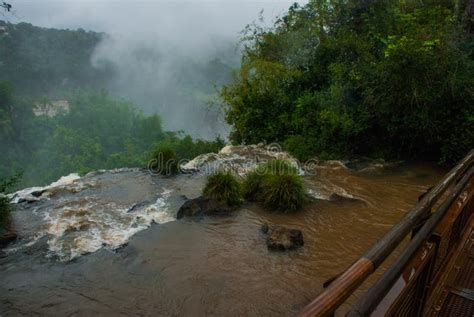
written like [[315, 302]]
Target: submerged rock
[[281, 238], [138, 205], [203, 206], [336, 198]]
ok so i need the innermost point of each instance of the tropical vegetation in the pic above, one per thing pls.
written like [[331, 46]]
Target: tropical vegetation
[[343, 78], [97, 131]]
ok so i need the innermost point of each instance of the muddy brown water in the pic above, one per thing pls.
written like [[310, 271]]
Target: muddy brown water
[[215, 266]]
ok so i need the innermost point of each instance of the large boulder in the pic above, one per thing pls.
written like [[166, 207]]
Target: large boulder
[[281, 239], [203, 206]]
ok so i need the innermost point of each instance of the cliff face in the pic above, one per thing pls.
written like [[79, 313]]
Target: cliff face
[[52, 108]]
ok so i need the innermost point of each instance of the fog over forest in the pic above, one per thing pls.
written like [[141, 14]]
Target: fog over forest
[[169, 57], [234, 157]]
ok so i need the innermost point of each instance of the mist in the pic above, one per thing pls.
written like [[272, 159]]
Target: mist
[[169, 58]]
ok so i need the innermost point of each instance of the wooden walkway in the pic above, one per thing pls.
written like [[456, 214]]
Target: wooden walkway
[[434, 274], [454, 294]]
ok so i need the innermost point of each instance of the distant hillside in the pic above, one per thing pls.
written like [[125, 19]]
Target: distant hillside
[[177, 84], [40, 61]]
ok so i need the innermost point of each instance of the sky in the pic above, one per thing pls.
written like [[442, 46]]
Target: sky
[[176, 31], [197, 16]]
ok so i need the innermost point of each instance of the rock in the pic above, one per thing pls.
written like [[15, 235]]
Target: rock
[[336, 198], [38, 193], [137, 206], [203, 206], [7, 236], [281, 238]]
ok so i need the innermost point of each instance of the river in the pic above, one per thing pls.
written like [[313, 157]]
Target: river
[[109, 244]]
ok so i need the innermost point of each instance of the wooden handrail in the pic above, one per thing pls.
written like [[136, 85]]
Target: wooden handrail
[[342, 287], [377, 292]]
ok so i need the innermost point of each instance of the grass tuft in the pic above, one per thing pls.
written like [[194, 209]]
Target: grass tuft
[[285, 192], [277, 185], [252, 185], [224, 187]]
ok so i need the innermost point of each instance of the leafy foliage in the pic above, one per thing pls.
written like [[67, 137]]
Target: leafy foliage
[[49, 62], [164, 161], [5, 208], [97, 132], [390, 79], [224, 187], [41, 61]]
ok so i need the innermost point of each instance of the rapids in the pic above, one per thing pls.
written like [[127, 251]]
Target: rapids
[[108, 243]]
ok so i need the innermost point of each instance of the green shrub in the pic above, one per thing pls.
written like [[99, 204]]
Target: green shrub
[[164, 161], [224, 187], [284, 192], [300, 147]]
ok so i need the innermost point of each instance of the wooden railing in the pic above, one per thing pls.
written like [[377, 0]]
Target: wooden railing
[[454, 186]]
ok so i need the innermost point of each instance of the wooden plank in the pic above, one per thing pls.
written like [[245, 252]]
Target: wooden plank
[[437, 298]]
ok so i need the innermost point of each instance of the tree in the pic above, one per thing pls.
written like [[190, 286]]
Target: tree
[[341, 78]]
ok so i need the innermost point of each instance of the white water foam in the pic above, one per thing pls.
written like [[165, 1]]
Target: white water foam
[[324, 191], [76, 216], [27, 193], [239, 159], [87, 226]]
